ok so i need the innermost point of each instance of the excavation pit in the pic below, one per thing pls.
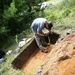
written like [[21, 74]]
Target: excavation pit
[[31, 58]]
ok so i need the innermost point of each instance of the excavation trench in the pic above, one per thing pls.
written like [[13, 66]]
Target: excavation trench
[[30, 60]]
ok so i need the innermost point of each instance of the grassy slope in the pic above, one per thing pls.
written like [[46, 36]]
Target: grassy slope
[[6, 66], [61, 23], [62, 15]]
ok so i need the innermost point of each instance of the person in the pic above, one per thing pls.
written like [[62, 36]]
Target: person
[[37, 25]]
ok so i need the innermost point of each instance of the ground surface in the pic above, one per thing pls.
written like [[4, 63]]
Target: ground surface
[[35, 61], [31, 58], [67, 67], [61, 59]]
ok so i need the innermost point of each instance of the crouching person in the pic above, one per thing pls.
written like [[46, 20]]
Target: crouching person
[[37, 26]]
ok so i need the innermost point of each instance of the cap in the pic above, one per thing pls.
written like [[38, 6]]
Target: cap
[[50, 24]]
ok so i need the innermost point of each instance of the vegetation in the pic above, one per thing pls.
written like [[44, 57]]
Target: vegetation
[[16, 16], [62, 15], [15, 20]]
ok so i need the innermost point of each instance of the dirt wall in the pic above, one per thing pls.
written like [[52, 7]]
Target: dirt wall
[[60, 60]]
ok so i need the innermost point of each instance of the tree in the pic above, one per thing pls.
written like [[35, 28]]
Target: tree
[[18, 13], [10, 12]]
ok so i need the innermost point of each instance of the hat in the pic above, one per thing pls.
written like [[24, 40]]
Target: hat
[[50, 24]]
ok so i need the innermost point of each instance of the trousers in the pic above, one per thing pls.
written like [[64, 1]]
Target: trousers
[[40, 40]]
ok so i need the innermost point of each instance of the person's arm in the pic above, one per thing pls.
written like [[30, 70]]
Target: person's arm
[[51, 29], [39, 29], [40, 34]]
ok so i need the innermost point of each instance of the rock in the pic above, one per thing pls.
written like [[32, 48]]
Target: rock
[[68, 31], [44, 5], [17, 50], [2, 59], [39, 72], [22, 43], [9, 51]]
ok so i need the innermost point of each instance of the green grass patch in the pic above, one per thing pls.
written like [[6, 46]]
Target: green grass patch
[[6, 67]]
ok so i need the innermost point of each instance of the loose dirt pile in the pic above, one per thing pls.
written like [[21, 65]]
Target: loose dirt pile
[[61, 60]]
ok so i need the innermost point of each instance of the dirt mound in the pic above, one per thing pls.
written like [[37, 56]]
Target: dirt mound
[[61, 60], [67, 67]]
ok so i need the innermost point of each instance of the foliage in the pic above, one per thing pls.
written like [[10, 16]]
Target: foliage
[[51, 16], [54, 16], [17, 14], [69, 3], [66, 12], [14, 18], [6, 68], [72, 14], [10, 12]]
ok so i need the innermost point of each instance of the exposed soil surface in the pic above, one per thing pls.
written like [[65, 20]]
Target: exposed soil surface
[[30, 60], [67, 67], [61, 59], [35, 61]]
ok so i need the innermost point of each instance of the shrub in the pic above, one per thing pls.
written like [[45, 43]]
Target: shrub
[[51, 17], [54, 16], [66, 12]]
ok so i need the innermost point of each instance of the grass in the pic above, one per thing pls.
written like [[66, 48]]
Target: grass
[[6, 66]]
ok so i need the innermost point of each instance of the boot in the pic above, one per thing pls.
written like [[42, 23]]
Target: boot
[[45, 51], [48, 44]]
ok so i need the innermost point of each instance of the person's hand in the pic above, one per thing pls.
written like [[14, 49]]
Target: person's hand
[[46, 34], [51, 32]]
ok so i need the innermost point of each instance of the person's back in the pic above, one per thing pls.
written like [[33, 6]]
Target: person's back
[[38, 24]]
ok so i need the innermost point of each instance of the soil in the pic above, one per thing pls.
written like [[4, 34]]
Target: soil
[[35, 61], [67, 67], [61, 59], [31, 58]]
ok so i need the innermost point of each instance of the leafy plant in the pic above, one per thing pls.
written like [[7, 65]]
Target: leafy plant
[[10, 12], [66, 12]]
